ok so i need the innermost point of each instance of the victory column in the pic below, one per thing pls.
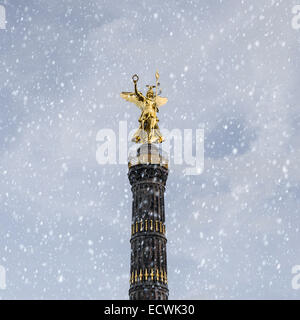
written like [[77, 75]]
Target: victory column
[[148, 173]]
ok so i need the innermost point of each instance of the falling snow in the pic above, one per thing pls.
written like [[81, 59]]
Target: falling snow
[[233, 231]]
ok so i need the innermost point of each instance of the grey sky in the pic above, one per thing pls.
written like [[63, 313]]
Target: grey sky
[[233, 232]]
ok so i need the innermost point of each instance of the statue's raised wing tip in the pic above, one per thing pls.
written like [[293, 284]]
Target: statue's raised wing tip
[[127, 95], [131, 97], [161, 101]]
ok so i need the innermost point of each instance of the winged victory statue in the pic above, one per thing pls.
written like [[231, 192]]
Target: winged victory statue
[[148, 131]]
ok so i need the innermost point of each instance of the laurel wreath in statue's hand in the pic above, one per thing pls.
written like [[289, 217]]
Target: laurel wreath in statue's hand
[[135, 78]]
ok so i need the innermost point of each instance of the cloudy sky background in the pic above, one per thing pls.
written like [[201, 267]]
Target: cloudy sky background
[[230, 66]]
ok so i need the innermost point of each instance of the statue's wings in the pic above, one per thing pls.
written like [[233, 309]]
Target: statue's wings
[[131, 97], [160, 101]]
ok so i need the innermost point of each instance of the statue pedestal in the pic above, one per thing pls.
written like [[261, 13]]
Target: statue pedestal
[[149, 154]]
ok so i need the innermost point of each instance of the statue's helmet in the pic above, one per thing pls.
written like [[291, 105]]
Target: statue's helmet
[[150, 93]]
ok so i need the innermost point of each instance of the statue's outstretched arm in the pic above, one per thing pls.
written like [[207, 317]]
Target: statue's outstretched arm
[[136, 90], [135, 79]]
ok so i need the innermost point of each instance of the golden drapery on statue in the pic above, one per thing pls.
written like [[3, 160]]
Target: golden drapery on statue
[[148, 131]]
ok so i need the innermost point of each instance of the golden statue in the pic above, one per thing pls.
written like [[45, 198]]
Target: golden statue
[[148, 131]]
